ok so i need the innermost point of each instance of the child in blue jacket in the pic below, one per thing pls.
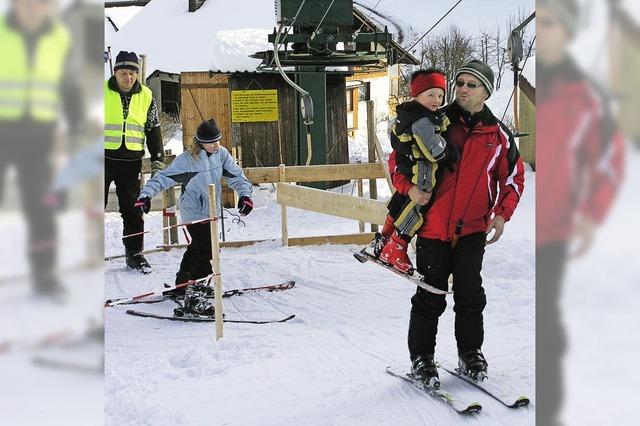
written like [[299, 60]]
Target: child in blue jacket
[[205, 162]]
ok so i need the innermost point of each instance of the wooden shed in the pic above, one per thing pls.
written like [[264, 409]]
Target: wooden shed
[[267, 143], [624, 52]]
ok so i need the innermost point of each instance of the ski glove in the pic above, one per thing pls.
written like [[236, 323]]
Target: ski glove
[[245, 205], [143, 204]]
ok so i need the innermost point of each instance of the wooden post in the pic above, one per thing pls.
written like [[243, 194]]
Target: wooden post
[[360, 194], [283, 211], [165, 219], [143, 69], [171, 205], [215, 260], [385, 165], [234, 154], [240, 156], [371, 134]]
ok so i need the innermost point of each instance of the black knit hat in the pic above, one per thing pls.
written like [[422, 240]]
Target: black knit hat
[[128, 61], [481, 71], [208, 132]]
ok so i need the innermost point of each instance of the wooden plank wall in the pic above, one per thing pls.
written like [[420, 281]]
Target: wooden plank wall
[[206, 96], [337, 144], [260, 141], [209, 96]]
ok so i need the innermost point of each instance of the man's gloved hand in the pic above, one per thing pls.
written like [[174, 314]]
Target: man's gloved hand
[[245, 205], [143, 204], [157, 166]]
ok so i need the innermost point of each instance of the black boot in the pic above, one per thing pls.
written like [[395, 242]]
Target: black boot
[[136, 260], [473, 364], [196, 302], [424, 369]]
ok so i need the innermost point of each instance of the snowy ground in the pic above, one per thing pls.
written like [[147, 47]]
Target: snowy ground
[[325, 367]]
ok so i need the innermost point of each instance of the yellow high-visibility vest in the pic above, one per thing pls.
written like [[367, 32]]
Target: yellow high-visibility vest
[[34, 89], [115, 126]]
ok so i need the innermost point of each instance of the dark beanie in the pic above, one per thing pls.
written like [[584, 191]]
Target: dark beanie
[[208, 132], [127, 61], [481, 71]]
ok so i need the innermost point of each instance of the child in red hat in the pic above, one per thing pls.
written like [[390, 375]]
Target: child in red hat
[[418, 150]]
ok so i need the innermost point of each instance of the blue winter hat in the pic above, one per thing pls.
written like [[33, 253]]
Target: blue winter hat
[[128, 61]]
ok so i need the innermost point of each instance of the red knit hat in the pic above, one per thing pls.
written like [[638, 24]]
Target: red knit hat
[[424, 82]]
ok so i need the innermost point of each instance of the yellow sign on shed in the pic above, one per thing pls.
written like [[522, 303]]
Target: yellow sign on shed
[[248, 106]]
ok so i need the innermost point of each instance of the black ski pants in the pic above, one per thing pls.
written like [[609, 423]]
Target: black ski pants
[[436, 260], [196, 261], [126, 175], [551, 339], [28, 146]]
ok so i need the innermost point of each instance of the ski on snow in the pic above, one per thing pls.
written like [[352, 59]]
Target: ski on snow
[[494, 388], [202, 318], [440, 393], [415, 277], [161, 296]]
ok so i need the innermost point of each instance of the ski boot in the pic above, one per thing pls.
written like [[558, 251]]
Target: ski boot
[[423, 368], [375, 246], [196, 302], [473, 364], [394, 253], [136, 260]]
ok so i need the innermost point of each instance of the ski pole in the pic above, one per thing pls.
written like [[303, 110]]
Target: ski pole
[[114, 302], [209, 219]]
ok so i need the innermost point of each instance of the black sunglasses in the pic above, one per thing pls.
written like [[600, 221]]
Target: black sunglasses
[[470, 85]]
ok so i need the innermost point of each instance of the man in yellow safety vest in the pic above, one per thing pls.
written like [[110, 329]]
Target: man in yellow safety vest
[[131, 117], [36, 85]]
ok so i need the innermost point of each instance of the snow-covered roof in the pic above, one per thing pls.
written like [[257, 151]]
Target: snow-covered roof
[[218, 37], [121, 15]]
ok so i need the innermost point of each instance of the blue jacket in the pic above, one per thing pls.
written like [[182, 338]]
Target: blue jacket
[[195, 177]]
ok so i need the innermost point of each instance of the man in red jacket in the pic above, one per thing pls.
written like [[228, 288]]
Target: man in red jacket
[[475, 199], [580, 162]]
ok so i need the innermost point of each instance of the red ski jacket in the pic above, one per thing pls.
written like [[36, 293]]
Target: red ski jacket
[[580, 155], [489, 177]]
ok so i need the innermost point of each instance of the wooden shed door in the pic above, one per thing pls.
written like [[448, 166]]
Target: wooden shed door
[[204, 97]]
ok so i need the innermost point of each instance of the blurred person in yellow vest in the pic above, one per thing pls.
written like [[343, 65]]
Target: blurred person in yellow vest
[[131, 118], [37, 87]]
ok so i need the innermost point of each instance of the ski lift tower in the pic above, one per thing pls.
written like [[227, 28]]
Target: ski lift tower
[[515, 52], [314, 37]]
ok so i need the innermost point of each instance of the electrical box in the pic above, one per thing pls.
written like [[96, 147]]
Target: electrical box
[[340, 13]]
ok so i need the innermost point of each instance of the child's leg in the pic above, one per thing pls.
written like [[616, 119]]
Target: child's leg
[[201, 240], [388, 227], [409, 220]]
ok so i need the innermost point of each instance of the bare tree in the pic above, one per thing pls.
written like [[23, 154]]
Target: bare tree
[[169, 126], [449, 52], [498, 55]]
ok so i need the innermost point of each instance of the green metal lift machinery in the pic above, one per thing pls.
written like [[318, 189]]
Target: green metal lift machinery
[[314, 35]]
